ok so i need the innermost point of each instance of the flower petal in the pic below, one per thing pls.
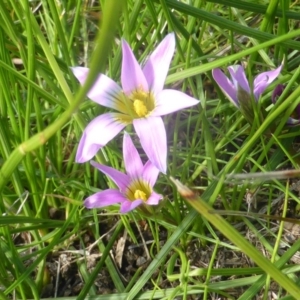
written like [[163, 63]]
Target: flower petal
[[154, 199], [295, 119], [150, 173], [132, 161], [238, 77], [104, 198], [132, 76], [80, 73], [120, 179], [292, 121], [168, 101], [128, 205], [97, 134], [277, 92], [226, 86], [157, 66], [262, 81], [104, 91], [152, 134]]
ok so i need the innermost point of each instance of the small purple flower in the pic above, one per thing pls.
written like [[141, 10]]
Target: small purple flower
[[295, 118], [141, 101], [237, 89], [135, 187]]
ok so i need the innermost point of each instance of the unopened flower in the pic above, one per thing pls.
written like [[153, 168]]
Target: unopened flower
[[134, 188], [237, 89], [294, 119], [141, 101], [277, 92]]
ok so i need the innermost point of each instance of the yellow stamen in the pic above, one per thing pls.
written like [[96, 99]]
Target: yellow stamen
[[138, 194], [140, 108]]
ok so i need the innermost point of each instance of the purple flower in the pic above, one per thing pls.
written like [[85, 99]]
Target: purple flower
[[135, 187], [277, 92], [141, 101], [237, 89]]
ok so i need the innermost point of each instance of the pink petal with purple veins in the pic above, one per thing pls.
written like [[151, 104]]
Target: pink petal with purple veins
[[104, 91], [168, 101], [104, 198], [226, 86], [128, 205], [132, 76], [132, 160], [150, 173], [120, 179], [152, 134], [238, 76], [157, 66], [154, 199], [262, 81], [97, 134]]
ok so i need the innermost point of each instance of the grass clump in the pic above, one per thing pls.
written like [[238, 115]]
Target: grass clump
[[221, 159]]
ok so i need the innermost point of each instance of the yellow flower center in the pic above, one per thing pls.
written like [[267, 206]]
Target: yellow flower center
[[140, 103], [138, 194], [138, 189], [140, 108]]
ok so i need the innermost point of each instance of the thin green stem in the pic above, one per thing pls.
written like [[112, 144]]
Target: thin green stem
[[233, 235], [104, 40]]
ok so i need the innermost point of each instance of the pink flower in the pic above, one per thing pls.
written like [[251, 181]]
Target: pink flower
[[237, 89], [134, 188], [141, 101]]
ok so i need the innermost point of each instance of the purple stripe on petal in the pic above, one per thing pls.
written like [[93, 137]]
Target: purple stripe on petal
[[104, 91], [128, 206], [120, 179], [152, 134], [97, 134], [238, 76], [264, 79], [168, 101], [150, 173], [154, 199], [104, 198], [157, 66], [226, 86], [132, 76], [132, 160]]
